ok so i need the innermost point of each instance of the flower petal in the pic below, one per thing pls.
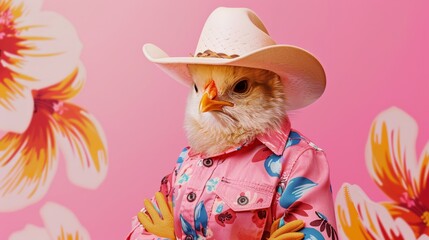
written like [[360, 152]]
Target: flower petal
[[26, 6], [390, 153], [20, 8], [201, 218], [311, 234], [28, 162], [16, 106], [413, 220], [62, 223], [67, 88], [30, 232], [423, 237], [50, 50], [84, 146], [187, 228], [295, 189], [273, 165], [423, 178], [360, 218]]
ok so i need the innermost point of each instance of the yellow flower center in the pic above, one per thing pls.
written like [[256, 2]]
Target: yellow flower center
[[425, 218]]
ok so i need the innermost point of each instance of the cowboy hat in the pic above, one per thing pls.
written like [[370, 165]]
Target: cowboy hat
[[237, 37]]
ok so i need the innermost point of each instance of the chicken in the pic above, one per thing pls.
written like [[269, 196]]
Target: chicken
[[227, 106], [231, 105], [246, 173]]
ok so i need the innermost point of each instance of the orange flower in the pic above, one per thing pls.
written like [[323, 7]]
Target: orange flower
[[28, 161], [37, 49], [60, 224], [392, 163], [361, 218]]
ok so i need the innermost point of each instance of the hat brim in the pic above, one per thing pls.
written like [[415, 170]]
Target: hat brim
[[302, 74]]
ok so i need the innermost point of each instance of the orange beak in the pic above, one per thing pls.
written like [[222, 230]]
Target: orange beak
[[208, 102]]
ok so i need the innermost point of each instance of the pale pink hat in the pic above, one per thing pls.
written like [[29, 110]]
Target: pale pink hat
[[238, 31]]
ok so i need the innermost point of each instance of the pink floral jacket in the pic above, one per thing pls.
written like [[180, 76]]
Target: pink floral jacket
[[239, 193]]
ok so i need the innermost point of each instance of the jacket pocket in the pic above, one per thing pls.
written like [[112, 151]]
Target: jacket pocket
[[245, 196]]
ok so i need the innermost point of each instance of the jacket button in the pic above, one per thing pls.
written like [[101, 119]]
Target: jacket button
[[191, 197], [189, 237], [243, 200], [208, 162]]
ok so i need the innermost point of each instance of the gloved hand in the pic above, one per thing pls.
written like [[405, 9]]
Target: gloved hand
[[162, 226], [289, 231]]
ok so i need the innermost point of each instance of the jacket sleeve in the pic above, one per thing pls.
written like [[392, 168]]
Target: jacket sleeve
[[167, 183], [305, 193], [138, 232]]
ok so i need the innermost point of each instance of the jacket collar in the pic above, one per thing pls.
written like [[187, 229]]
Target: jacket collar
[[275, 140]]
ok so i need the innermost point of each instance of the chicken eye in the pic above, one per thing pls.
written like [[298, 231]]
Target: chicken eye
[[241, 86], [195, 87]]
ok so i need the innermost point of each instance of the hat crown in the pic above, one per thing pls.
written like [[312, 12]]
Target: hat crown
[[233, 31]]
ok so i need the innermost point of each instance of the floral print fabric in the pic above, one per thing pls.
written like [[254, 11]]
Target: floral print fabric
[[239, 193]]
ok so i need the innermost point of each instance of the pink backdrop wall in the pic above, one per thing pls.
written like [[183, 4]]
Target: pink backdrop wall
[[375, 55]]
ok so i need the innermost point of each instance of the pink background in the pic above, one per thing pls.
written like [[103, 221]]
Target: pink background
[[375, 56]]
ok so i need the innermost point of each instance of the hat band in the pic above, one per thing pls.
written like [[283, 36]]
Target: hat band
[[210, 53]]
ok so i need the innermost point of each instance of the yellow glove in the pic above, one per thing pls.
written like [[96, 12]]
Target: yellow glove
[[287, 232], [162, 226]]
